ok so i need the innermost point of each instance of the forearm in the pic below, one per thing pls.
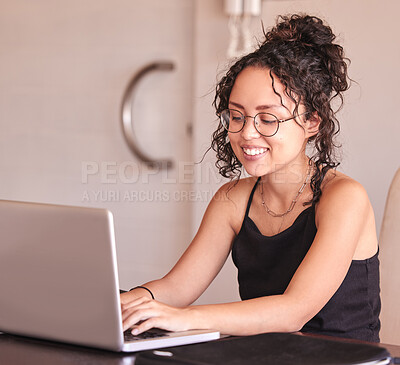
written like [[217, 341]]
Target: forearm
[[167, 291], [281, 313], [267, 314]]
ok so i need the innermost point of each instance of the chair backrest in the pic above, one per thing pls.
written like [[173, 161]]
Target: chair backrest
[[389, 243]]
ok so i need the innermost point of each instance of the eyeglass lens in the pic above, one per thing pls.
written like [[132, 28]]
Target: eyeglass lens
[[265, 123]]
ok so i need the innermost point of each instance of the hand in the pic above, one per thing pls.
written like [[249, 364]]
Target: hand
[[129, 296], [147, 313]]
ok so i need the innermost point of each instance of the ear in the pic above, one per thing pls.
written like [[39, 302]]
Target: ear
[[312, 124]]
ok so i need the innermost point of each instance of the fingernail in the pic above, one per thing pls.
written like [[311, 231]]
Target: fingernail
[[135, 332]]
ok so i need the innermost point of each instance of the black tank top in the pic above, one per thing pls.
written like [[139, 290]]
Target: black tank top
[[266, 264]]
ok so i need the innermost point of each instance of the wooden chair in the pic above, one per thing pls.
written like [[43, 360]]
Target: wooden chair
[[389, 246]]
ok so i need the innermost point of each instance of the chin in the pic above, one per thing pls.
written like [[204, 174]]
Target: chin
[[256, 171]]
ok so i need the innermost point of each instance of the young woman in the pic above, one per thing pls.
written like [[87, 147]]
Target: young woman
[[302, 235]]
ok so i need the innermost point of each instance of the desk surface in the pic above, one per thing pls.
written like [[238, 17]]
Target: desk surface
[[18, 351]]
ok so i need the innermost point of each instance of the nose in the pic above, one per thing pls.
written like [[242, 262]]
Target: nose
[[249, 130]]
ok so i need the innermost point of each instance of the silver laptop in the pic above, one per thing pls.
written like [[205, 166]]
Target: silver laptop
[[58, 279]]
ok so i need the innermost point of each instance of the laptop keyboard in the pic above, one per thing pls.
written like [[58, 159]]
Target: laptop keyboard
[[152, 333]]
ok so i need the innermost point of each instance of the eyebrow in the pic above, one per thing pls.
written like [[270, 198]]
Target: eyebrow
[[259, 107]]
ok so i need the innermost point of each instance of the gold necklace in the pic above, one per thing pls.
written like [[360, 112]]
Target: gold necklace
[[292, 204]]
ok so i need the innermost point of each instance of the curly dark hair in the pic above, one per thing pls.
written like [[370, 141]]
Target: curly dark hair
[[300, 52]]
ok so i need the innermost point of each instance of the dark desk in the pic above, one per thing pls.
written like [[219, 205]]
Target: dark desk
[[20, 351]]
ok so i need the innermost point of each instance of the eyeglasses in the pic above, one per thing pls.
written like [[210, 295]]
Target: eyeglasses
[[266, 124]]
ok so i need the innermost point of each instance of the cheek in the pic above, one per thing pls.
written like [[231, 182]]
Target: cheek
[[291, 137], [233, 141], [237, 151], [287, 145]]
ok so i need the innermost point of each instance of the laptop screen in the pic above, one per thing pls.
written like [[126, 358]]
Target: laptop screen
[[58, 274]]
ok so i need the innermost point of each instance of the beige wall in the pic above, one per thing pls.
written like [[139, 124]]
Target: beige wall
[[64, 67]]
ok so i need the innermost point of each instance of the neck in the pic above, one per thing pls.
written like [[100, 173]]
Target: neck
[[281, 186], [286, 177]]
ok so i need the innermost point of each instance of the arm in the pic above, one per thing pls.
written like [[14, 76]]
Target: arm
[[202, 260], [346, 230], [343, 217]]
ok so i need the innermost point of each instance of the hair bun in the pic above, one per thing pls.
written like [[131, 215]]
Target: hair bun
[[299, 37], [304, 29]]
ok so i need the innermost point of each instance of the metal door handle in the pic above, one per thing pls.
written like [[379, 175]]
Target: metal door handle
[[126, 114]]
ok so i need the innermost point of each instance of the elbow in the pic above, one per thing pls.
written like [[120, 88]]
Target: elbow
[[299, 321], [295, 321], [292, 325], [298, 314], [287, 324], [296, 326]]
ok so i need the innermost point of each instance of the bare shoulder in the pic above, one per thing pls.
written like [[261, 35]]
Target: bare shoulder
[[341, 193], [336, 184], [232, 197], [345, 212]]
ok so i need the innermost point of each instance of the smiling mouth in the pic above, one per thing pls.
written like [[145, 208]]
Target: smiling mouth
[[254, 151]]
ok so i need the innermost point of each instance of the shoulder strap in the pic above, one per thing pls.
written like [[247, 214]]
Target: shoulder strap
[[251, 197]]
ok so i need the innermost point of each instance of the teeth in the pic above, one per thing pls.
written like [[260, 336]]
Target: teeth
[[254, 151]]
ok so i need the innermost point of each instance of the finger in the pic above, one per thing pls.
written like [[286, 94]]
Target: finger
[[144, 326], [139, 305], [129, 321], [131, 313], [133, 303], [137, 316]]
